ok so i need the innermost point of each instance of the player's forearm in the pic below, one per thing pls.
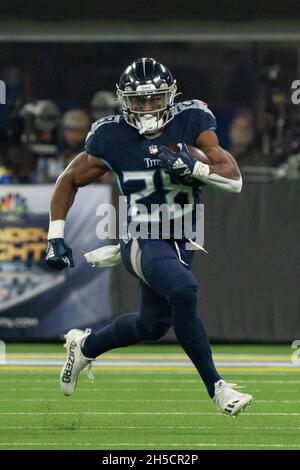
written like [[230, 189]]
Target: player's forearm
[[226, 170], [83, 170], [222, 173], [203, 173], [224, 184], [222, 163], [214, 176], [62, 199]]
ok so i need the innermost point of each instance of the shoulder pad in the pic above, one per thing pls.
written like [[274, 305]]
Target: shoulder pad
[[105, 120], [192, 104]]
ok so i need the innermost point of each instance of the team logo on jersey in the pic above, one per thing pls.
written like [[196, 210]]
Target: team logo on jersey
[[153, 150], [151, 162]]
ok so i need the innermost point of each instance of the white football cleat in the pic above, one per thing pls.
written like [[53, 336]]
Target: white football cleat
[[75, 361], [228, 400]]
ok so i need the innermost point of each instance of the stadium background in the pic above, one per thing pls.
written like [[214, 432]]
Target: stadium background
[[239, 57], [243, 64]]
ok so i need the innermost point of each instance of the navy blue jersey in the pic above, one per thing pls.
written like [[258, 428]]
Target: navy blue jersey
[[132, 157]]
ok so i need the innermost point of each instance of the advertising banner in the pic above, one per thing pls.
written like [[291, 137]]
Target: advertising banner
[[36, 302]]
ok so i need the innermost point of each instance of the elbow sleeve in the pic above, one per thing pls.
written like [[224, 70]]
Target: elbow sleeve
[[225, 184]]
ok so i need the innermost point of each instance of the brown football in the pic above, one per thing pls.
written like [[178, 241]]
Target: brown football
[[194, 151]]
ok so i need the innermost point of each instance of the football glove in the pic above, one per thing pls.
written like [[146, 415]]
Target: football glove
[[176, 163], [59, 254]]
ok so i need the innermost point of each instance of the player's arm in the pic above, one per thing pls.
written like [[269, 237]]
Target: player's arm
[[83, 170], [223, 171]]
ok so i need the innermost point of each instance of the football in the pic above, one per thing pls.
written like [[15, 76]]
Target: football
[[198, 155], [194, 151]]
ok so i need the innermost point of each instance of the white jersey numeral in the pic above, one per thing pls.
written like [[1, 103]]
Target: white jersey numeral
[[171, 191]]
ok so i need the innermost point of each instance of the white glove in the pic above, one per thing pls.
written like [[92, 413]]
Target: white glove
[[104, 257]]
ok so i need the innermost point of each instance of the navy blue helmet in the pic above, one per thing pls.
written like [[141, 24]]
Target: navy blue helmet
[[146, 91]]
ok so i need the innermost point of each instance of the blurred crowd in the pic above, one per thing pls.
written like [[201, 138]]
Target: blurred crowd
[[41, 141], [40, 138]]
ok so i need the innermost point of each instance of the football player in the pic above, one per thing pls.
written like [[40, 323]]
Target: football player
[[135, 146]]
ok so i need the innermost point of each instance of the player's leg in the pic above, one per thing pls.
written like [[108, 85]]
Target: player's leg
[[151, 322], [169, 277]]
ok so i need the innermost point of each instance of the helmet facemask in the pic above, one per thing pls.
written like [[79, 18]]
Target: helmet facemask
[[153, 117]]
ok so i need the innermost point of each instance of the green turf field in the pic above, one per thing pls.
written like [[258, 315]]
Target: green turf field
[[147, 397]]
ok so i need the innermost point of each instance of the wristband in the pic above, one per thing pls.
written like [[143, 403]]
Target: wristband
[[56, 229], [200, 170]]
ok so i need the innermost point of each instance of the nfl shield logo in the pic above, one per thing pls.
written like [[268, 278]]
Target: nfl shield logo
[[153, 149]]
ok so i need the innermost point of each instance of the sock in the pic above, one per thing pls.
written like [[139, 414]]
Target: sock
[[123, 331], [192, 336]]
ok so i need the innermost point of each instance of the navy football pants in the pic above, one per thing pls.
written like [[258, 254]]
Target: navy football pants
[[168, 296]]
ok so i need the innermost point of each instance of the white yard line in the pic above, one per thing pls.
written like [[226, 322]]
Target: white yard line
[[157, 356], [100, 400], [157, 445], [164, 372], [93, 428], [103, 390], [114, 380], [121, 380], [137, 413], [144, 363]]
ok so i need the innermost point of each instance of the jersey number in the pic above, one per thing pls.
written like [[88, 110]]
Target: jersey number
[[170, 190]]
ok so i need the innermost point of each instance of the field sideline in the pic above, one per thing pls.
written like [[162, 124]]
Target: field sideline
[[147, 397]]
